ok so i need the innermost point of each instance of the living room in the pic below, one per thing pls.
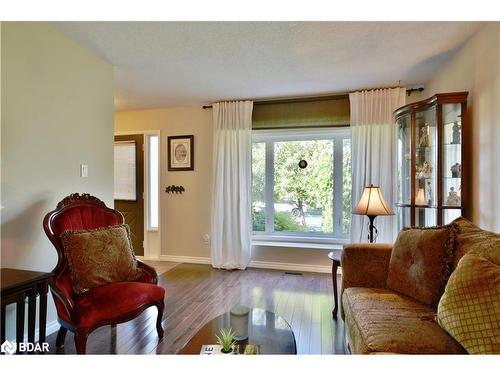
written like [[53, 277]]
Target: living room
[[273, 154]]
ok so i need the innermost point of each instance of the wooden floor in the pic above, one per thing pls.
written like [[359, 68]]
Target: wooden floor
[[198, 293]]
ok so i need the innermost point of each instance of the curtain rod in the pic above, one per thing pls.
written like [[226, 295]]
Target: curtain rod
[[311, 98]]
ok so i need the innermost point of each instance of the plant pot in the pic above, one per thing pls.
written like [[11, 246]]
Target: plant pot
[[229, 351]]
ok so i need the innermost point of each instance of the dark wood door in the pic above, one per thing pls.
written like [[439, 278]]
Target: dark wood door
[[133, 209]]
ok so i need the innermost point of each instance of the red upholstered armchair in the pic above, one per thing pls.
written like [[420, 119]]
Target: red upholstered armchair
[[105, 305]]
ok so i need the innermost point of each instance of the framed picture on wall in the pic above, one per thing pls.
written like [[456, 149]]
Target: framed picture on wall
[[181, 153]]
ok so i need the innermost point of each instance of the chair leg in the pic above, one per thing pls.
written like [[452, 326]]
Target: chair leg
[[61, 336], [112, 341], [159, 328], [81, 341]]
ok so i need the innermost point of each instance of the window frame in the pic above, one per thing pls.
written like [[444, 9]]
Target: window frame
[[269, 137], [148, 188]]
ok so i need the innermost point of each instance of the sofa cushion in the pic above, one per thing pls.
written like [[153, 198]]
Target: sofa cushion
[[100, 256], [421, 262], [469, 309], [383, 321], [472, 239]]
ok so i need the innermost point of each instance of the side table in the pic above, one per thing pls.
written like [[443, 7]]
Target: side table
[[15, 286], [335, 258]]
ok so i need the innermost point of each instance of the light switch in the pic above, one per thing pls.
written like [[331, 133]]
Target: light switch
[[84, 170]]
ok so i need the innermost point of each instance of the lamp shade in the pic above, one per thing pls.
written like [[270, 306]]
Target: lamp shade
[[372, 203]]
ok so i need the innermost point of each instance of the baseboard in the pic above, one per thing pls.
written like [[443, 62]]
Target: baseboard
[[184, 259], [142, 257], [254, 264]]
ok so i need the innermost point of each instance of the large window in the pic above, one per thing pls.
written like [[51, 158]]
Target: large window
[[301, 183]]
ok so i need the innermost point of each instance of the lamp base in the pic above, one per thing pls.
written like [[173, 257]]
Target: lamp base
[[372, 229]]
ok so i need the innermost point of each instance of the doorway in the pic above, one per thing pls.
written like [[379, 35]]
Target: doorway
[[129, 185]]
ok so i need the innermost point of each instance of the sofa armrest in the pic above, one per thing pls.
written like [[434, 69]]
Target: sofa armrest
[[364, 265]]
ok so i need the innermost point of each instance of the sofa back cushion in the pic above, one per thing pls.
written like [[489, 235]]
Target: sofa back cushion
[[100, 256], [420, 262], [469, 309], [474, 240]]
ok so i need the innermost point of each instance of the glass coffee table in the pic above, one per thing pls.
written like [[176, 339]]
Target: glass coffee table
[[270, 331]]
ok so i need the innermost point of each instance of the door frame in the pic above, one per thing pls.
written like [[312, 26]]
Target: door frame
[[149, 253]]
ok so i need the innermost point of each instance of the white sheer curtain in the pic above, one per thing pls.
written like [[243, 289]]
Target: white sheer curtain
[[373, 148], [232, 181]]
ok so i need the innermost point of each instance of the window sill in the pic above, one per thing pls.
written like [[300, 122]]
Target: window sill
[[300, 243]]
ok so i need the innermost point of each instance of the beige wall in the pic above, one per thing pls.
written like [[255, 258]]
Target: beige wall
[[57, 112], [476, 68], [186, 218]]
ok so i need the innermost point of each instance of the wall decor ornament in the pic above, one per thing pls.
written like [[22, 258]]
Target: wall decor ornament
[[180, 153], [174, 189], [303, 164]]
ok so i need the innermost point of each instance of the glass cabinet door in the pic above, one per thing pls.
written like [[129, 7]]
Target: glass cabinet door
[[404, 160], [425, 167], [404, 171], [452, 161], [430, 155]]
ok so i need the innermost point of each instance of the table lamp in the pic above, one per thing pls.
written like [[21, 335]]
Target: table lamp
[[372, 205]]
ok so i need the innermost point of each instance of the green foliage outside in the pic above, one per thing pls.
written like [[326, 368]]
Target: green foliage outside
[[308, 188], [283, 221], [308, 191], [346, 188]]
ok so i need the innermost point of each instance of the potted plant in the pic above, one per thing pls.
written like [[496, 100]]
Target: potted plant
[[226, 339]]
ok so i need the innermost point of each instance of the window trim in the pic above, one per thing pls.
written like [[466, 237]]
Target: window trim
[[147, 187], [269, 137]]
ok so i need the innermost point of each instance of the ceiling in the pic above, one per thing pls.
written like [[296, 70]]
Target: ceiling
[[165, 64]]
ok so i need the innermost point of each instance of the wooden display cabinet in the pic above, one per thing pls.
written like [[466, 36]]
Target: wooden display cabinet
[[431, 152]]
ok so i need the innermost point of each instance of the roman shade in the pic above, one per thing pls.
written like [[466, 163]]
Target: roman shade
[[302, 113]]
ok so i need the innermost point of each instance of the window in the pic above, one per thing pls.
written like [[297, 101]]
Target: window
[[152, 173], [124, 171], [313, 201]]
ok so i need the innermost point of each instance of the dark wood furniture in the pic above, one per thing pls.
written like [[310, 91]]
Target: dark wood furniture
[[335, 258], [433, 160], [16, 286], [105, 305], [270, 331]]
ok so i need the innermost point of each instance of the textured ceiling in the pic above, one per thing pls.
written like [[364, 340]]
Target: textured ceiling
[[164, 64]]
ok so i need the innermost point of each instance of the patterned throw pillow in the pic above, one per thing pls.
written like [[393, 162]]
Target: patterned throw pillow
[[100, 256], [469, 309], [420, 262], [473, 240]]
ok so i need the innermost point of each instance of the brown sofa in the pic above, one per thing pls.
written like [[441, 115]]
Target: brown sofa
[[379, 320]]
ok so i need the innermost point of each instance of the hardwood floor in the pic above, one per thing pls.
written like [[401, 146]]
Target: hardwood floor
[[198, 293]]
